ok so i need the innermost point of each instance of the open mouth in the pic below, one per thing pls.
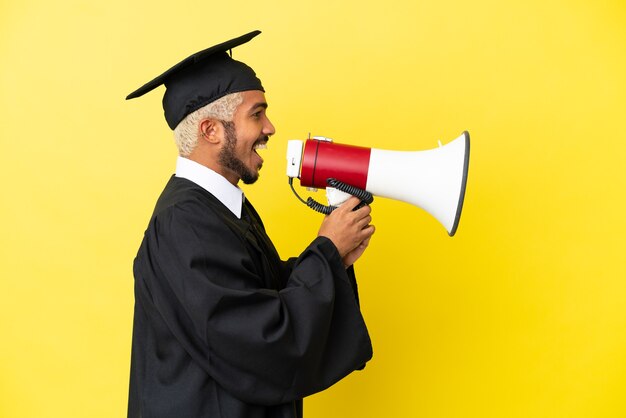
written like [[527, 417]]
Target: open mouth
[[260, 144]]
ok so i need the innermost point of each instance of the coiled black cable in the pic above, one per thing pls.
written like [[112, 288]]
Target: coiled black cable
[[365, 196]]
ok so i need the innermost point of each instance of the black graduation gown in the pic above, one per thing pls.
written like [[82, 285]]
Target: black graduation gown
[[223, 328]]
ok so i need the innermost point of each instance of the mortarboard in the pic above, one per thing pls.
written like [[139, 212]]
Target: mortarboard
[[201, 79]]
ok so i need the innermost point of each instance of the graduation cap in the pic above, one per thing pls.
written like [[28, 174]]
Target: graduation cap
[[202, 78]]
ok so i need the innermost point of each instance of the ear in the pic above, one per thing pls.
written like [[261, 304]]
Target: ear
[[210, 130]]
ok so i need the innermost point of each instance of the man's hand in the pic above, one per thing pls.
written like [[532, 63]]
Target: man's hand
[[354, 255], [349, 230]]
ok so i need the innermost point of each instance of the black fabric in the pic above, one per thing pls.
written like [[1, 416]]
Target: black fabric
[[201, 79], [223, 327]]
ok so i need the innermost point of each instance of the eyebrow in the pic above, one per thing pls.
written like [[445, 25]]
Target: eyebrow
[[259, 104]]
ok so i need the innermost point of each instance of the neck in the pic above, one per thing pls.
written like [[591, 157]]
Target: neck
[[212, 163]]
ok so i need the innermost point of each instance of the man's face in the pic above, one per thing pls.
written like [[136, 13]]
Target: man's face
[[249, 131]]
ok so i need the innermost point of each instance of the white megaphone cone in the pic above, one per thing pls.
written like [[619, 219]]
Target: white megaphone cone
[[433, 180]]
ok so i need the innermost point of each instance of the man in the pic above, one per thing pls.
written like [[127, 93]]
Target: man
[[222, 326]]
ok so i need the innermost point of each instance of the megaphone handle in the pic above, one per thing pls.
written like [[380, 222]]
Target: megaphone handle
[[365, 196], [336, 197]]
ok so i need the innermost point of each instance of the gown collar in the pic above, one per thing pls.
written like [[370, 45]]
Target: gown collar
[[231, 196]]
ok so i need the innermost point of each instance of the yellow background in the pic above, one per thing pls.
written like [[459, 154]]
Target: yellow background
[[522, 314]]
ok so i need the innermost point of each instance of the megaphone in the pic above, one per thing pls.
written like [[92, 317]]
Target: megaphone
[[433, 180]]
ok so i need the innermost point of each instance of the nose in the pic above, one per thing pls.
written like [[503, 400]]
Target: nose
[[268, 128]]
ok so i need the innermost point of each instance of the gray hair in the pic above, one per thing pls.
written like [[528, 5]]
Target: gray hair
[[186, 132]]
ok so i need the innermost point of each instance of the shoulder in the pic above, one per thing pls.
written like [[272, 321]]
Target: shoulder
[[190, 231], [182, 191], [184, 208]]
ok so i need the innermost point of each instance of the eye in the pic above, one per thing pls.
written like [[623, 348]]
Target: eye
[[258, 113]]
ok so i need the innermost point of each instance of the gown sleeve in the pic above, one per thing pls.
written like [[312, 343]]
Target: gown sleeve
[[264, 346]]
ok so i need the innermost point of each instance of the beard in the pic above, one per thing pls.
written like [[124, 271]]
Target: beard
[[229, 160]]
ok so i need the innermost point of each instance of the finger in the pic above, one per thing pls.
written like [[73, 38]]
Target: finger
[[363, 245], [350, 204], [362, 236], [345, 207], [363, 222], [368, 231], [362, 218], [363, 211]]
